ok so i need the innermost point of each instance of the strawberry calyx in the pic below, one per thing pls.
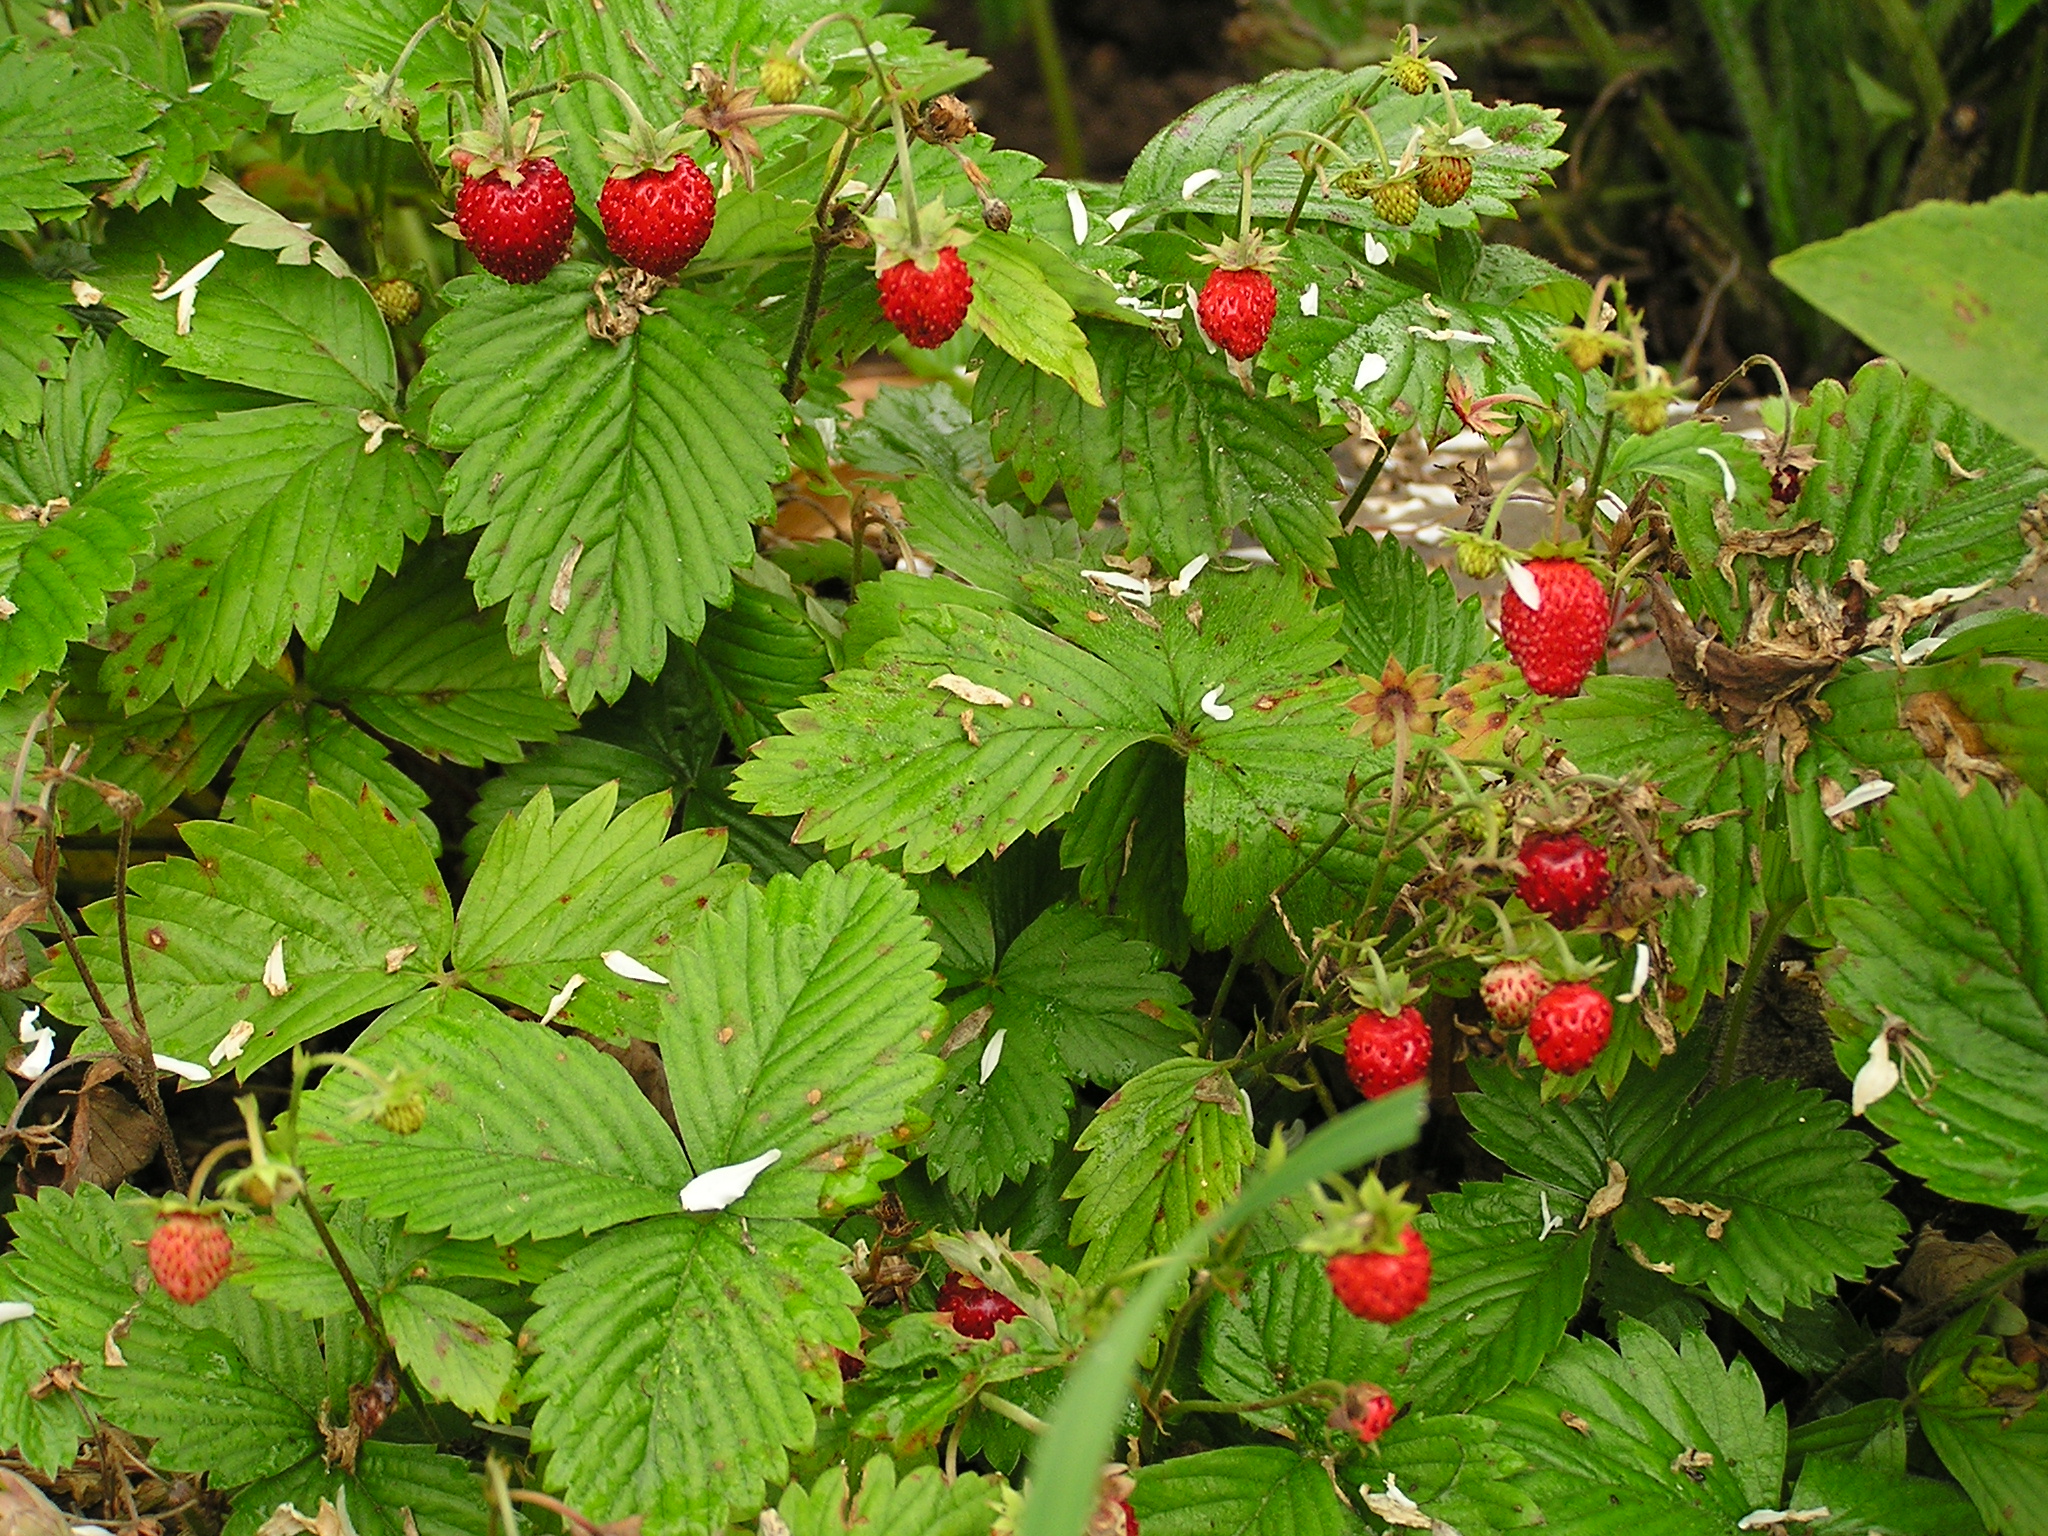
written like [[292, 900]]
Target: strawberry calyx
[[502, 147], [896, 241], [642, 147], [1384, 991], [1369, 1219], [1254, 252]]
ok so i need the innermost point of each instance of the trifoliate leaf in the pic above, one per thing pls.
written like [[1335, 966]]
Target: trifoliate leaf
[[1283, 1330], [33, 325], [456, 1350], [616, 481], [304, 65], [1396, 607], [1241, 1490], [345, 885], [1166, 1151], [1944, 932], [1185, 454], [61, 126], [396, 1489], [651, 1324], [299, 745], [1017, 309], [573, 1147], [556, 891], [798, 1020]]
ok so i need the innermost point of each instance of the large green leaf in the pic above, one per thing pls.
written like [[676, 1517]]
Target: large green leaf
[[161, 752], [1017, 309], [763, 654], [1176, 442], [528, 1133], [676, 1356], [1397, 608], [396, 1489], [33, 325], [456, 1350], [921, 1503], [1952, 290], [269, 520], [616, 482], [304, 64], [79, 411], [298, 745], [61, 126], [797, 1024], [56, 571], [1243, 1490], [348, 889], [1948, 930], [1983, 1419], [1875, 1501]]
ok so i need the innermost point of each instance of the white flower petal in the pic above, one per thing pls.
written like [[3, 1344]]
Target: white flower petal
[[191, 277], [885, 205], [1863, 794], [37, 1061], [619, 963], [232, 1044], [1728, 486], [1524, 585], [191, 1071], [1376, 252], [16, 1311], [1199, 180], [29, 1018], [715, 1190], [1312, 299], [1474, 137], [1642, 978], [1371, 369], [1077, 211], [274, 981], [992, 1054], [1120, 218], [1213, 709], [1878, 1076], [561, 999], [1179, 585]]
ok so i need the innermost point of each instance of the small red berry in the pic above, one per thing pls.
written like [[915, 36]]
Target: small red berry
[[1563, 876], [850, 1366], [1570, 1027], [658, 220], [1385, 1051], [1383, 1287], [1236, 308], [517, 232], [1130, 1517], [189, 1253], [1366, 1411], [927, 306], [975, 1309], [1558, 644], [1512, 989]]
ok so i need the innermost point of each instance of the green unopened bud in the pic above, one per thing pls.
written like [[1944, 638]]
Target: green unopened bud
[[1642, 410]]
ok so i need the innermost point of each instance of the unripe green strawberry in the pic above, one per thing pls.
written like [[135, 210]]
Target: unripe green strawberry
[[397, 301], [1478, 558], [1396, 201], [1444, 178], [782, 79], [1642, 409], [1410, 72], [403, 1114]]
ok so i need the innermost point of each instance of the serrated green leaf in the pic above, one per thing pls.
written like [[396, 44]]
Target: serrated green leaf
[[555, 892], [1396, 607], [761, 655], [43, 1427], [1242, 1490], [396, 1490], [456, 1350], [1127, 835], [1166, 1151], [989, 1129], [1111, 1010], [283, 1261], [1283, 1330], [299, 745], [1186, 455], [303, 65], [1017, 309], [1872, 1501], [69, 453], [33, 326], [1948, 929], [573, 1147], [61, 127], [922, 1503], [649, 1325], [1997, 1449], [163, 751], [797, 1023], [56, 574], [616, 482], [349, 888], [416, 661]]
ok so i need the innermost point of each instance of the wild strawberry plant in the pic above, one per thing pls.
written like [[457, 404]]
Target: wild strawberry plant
[[974, 961]]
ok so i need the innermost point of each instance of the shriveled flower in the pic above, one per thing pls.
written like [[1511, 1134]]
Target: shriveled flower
[[1477, 412], [1394, 702]]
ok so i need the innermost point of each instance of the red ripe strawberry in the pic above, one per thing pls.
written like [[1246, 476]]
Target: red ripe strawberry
[[927, 306], [975, 1309], [517, 232], [1383, 1287], [658, 220], [1385, 1051], [189, 1253], [1367, 1411], [1130, 1517], [1236, 308], [1570, 1027], [1512, 989], [1563, 876], [1558, 644]]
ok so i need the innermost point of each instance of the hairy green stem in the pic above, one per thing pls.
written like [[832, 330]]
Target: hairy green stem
[[1023, 1418], [1736, 1014], [1317, 1391], [814, 287]]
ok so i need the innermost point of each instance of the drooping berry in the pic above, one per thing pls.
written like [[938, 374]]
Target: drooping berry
[[402, 1114], [782, 79], [1365, 1411], [517, 231], [927, 306], [1383, 1287], [1396, 201], [658, 220], [1385, 1051], [189, 1253], [1512, 989], [397, 300], [1571, 1025], [1558, 644], [975, 1309], [1236, 307], [1409, 71], [1563, 876], [1444, 178]]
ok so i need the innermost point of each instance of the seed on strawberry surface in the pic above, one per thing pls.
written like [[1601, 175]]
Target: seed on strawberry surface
[[1382, 1287], [1563, 876], [1236, 308], [1570, 1027], [1512, 989], [927, 304], [397, 300], [1396, 201], [1558, 643], [1444, 178], [1384, 1051], [517, 223], [658, 220], [190, 1253]]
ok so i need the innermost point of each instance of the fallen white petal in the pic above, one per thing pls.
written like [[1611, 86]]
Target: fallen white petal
[[16, 1311], [191, 1071], [1942, 596], [1376, 252], [232, 1044], [273, 972], [1920, 649], [1728, 486], [1863, 794], [1245, 1098], [1214, 710], [1642, 978], [37, 1061], [1312, 299], [885, 205], [561, 999], [188, 301], [1179, 585], [1120, 218], [1875, 1078], [29, 1018], [619, 963], [992, 1054], [1474, 137], [715, 1190], [1550, 1223], [1478, 338], [1371, 369], [84, 293], [1077, 211], [969, 691], [1199, 180], [1524, 585], [191, 277], [1757, 1519], [1395, 1507]]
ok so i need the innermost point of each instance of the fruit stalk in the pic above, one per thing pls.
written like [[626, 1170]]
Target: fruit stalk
[[368, 1314], [1776, 920]]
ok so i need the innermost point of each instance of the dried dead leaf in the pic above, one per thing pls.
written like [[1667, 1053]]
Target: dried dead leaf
[[1717, 1219], [1608, 1196]]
